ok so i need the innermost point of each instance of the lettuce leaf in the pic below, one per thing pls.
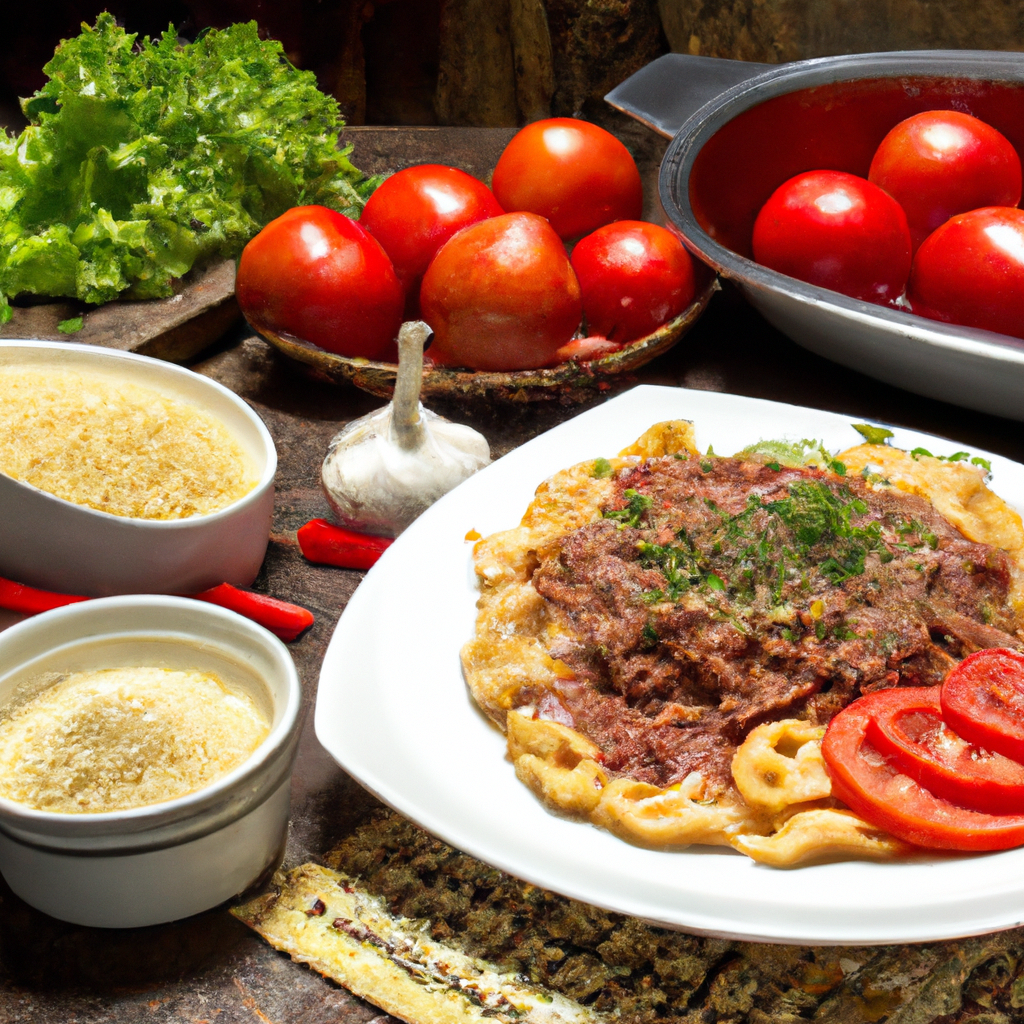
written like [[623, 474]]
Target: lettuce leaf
[[145, 158]]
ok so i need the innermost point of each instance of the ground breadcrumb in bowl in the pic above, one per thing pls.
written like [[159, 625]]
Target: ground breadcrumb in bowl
[[146, 748], [124, 474]]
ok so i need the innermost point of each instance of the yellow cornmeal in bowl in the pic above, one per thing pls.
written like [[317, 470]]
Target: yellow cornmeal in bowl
[[113, 739], [116, 446]]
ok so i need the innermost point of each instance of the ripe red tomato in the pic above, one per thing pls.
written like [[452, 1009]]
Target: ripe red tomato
[[907, 726], [971, 271], [943, 162], [837, 231], [574, 173], [634, 277], [414, 212], [314, 274], [874, 787], [501, 295], [983, 700]]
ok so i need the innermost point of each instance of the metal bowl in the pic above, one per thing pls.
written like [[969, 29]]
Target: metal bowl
[[759, 126], [572, 381]]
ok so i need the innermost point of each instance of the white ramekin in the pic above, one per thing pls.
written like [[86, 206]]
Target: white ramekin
[[166, 861], [55, 544]]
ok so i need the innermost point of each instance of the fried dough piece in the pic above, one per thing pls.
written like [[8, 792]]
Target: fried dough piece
[[556, 762], [779, 764], [670, 437], [817, 834], [676, 816]]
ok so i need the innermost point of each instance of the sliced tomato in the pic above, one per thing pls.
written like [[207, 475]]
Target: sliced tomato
[[906, 726], [983, 700], [873, 786]]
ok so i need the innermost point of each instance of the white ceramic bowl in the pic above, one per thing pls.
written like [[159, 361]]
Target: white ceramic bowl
[[147, 865], [57, 545]]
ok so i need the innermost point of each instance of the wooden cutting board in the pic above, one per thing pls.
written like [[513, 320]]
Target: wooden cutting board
[[176, 328]]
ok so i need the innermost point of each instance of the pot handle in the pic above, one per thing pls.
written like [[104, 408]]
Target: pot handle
[[664, 93]]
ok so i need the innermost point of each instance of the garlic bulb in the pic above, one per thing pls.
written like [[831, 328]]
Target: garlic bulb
[[385, 468]]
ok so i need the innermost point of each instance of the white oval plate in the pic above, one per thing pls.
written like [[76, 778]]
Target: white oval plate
[[393, 710]]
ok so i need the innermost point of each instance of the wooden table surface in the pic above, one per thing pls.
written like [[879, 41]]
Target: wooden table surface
[[211, 968]]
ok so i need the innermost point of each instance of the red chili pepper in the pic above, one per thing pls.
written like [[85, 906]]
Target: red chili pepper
[[323, 542], [16, 597], [284, 620]]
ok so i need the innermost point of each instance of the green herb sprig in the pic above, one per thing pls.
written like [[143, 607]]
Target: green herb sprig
[[637, 507]]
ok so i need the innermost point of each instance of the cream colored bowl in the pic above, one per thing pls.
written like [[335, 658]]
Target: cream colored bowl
[[147, 865], [57, 545]]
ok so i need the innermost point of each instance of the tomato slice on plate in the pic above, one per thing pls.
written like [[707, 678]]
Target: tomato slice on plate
[[906, 726], [873, 785], [983, 700]]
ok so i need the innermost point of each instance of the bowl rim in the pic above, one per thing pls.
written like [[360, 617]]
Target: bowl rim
[[190, 806], [100, 354], [686, 145]]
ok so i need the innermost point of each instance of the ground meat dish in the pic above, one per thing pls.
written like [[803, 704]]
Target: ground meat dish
[[717, 594]]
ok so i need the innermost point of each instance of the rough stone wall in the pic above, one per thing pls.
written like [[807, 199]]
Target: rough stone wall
[[503, 61], [597, 44], [783, 30]]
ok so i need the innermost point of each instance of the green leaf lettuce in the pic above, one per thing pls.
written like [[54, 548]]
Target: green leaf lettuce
[[146, 158]]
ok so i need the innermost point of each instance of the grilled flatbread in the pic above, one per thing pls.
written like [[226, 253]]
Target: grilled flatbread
[[324, 919]]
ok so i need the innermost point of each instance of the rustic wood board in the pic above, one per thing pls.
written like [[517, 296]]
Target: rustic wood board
[[176, 328], [210, 969]]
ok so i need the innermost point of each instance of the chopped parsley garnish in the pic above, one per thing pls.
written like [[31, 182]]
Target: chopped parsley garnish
[[680, 566], [873, 478], [977, 460], [873, 435], [819, 529], [793, 454], [637, 506]]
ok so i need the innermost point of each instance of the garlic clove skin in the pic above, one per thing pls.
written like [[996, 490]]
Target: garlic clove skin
[[374, 485]]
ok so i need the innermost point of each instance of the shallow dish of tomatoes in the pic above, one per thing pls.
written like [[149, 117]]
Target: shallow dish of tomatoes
[[548, 286], [572, 380]]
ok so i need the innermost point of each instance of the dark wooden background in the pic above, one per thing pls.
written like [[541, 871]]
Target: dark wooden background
[[503, 62]]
